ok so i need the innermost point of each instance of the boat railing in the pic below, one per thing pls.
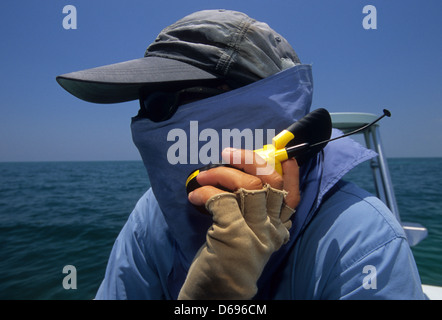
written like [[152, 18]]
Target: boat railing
[[349, 121]]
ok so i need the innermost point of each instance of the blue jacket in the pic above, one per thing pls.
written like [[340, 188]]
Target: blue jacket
[[344, 243], [354, 248]]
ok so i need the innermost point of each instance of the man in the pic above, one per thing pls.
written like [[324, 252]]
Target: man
[[205, 76]]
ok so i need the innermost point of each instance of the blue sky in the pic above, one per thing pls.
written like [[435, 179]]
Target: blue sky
[[397, 66]]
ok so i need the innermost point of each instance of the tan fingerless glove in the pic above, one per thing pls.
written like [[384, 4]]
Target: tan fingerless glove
[[248, 226]]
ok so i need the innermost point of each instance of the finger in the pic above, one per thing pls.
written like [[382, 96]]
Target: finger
[[290, 176], [199, 196], [253, 164], [229, 178]]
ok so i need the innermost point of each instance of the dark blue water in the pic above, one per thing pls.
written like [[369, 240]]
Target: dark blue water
[[55, 214]]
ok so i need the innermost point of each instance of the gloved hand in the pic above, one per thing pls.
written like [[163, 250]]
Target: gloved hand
[[248, 227]]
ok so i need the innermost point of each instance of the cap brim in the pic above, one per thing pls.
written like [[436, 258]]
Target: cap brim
[[123, 81]]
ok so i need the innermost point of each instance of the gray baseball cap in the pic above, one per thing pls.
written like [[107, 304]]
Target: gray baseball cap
[[209, 45]]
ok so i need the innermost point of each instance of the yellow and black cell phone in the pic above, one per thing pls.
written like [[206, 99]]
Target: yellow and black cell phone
[[294, 142]]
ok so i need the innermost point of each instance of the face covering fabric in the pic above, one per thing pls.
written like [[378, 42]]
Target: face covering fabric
[[172, 149]]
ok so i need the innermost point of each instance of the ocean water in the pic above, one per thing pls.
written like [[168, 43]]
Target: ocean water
[[57, 214]]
